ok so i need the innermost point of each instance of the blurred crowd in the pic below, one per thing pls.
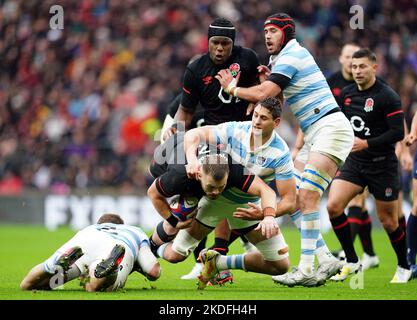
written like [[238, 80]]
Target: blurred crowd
[[80, 107]]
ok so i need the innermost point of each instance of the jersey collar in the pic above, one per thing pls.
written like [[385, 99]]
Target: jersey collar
[[262, 147]]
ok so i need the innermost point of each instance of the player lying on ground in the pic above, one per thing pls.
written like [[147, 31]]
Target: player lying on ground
[[106, 253]]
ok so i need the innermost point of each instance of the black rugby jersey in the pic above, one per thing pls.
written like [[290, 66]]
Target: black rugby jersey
[[376, 116], [198, 116], [201, 86], [171, 176], [336, 83]]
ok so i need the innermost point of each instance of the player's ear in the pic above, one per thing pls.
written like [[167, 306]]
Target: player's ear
[[375, 66], [277, 121], [199, 174]]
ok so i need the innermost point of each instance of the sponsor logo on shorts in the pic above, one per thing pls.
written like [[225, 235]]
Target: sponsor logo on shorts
[[369, 105], [388, 192]]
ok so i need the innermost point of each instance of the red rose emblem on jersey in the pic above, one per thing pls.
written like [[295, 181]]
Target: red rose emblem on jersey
[[234, 68], [369, 104]]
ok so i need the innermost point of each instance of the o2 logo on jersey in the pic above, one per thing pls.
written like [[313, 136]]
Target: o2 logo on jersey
[[359, 125], [234, 69], [369, 105]]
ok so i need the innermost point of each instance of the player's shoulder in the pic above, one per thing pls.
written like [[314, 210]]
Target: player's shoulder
[[350, 88], [386, 90], [199, 64], [294, 49], [240, 125], [335, 76], [279, 144], [243, 51]]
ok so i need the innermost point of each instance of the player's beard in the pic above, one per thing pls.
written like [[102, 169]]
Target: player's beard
[[276, 49]]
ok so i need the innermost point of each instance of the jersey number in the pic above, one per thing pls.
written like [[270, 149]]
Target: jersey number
[[359, 125], [111, 230]]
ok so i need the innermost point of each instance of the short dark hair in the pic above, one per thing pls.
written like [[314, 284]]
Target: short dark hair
[[273, 105], [215, 165], [365, 52], [110, 218]]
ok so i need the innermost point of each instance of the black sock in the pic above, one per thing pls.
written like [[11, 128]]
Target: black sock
[[233, 236], [412, 238], [354, 218], [365, 234], [398, 242], [221, 246], [244, 239], [200, 247], [403, 224], [341, 227], [154, 247]]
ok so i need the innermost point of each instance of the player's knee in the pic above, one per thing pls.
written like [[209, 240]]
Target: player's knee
[[390, 224], [280, 267], [26, 285], [173, 257], [308, 200], [155, 272], [334, 209], [93, 286]]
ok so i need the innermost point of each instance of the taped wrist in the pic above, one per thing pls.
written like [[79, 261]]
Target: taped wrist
[[231, 85], [269, 212]]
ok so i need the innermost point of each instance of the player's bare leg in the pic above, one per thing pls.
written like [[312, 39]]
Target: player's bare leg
[[271, 258], [341, 192], [54, 272], [412, 232], [328, 265], [185, 242], [317, 175]]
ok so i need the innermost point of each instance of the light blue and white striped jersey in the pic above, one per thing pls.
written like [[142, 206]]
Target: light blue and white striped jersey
[[133, 237], [307, 94], [270, 161]]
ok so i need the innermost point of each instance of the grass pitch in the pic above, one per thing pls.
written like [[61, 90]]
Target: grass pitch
[[22, 247]]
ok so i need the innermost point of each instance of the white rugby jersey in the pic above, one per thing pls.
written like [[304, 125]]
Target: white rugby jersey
[[307, 94], [270, 161], [132, 236]]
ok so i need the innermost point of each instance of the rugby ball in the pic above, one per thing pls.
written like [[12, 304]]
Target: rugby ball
[[183, 208]]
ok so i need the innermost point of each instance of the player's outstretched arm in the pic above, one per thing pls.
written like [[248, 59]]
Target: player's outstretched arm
[[192, 139], [37, 278], [288, 193], [268, 225], [254, 94]]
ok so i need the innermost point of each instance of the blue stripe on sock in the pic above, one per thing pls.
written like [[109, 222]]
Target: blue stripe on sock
[[311, 216], [320, 243], [239, 262], [307, 251], [295, 215], [229, 261], [310, 233]]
